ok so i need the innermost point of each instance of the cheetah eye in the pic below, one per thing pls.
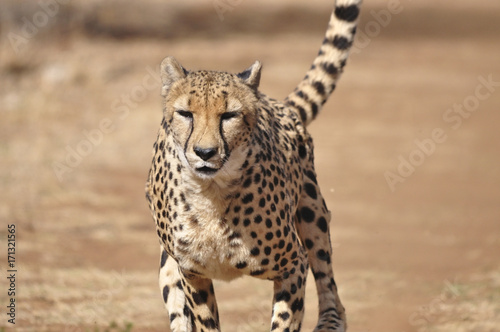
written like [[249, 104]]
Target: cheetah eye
[[229, 115], [185, 114]]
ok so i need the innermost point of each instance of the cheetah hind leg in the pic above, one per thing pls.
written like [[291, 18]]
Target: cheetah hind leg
[[189, 300], [313, 225]]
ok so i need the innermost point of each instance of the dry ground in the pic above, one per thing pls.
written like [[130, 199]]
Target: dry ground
[[422, 255]]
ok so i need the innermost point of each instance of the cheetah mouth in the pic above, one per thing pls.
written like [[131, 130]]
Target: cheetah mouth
[[205, 170]]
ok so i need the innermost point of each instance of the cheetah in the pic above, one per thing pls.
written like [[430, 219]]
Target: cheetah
[[233, 191]]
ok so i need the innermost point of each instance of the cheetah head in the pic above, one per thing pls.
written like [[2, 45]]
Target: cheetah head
[[211, 115]]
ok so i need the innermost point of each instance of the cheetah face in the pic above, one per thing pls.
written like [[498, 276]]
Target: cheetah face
[[211, 116]]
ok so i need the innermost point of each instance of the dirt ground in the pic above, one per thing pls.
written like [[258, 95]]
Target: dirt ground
[[407, 152]]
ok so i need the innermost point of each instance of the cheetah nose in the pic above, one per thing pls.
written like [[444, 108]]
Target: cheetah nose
[[203, 153]]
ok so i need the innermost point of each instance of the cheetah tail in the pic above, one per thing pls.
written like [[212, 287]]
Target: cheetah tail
[[320, 81]]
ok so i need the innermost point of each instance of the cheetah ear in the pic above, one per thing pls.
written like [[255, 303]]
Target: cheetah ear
[[170, 72], [251, 75]]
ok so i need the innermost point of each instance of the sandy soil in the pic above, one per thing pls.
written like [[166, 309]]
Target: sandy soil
[[407, 152]]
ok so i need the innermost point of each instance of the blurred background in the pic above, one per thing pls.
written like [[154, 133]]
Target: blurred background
[[407, 152]]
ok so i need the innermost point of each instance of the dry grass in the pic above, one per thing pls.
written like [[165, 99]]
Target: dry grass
[[470, 306]]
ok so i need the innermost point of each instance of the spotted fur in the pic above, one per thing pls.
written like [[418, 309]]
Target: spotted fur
[[233, 190]]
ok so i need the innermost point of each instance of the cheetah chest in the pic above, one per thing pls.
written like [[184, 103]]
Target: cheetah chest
[[202, 240]]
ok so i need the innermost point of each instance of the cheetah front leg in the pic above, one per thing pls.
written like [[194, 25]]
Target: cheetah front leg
[[313, 225], [190, 300], [288, 300]]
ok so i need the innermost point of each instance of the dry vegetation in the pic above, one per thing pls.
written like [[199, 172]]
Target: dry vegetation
[[74, 154]]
